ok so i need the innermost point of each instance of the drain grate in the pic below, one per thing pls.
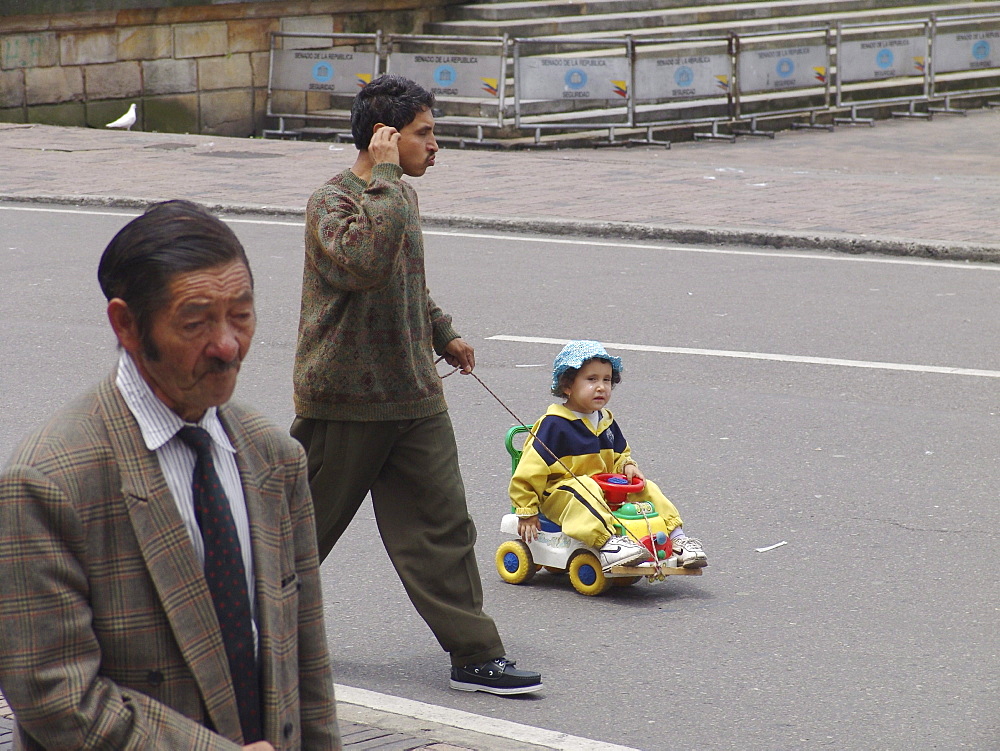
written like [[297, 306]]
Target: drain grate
[[241, 154], [170, 146]]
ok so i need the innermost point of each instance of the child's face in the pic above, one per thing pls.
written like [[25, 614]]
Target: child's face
[[591, 389]]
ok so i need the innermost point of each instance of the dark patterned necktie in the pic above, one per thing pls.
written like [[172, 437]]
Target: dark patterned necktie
[[226, 577]]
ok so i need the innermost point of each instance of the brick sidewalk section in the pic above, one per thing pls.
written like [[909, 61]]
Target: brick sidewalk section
[[355, 735], [363, 727], [903, 186]]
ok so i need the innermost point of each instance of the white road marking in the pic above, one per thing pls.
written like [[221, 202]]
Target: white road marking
[[456, 718], [765, 356], [942, 264], [771, 547]]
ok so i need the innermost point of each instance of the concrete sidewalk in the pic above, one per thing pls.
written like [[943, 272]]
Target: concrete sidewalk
[[903, 186]]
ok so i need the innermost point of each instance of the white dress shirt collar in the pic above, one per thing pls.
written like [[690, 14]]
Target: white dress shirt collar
[[157, 422]]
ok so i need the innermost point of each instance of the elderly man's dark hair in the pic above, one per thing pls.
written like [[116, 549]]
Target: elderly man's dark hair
[[390, 100], [170, 238]]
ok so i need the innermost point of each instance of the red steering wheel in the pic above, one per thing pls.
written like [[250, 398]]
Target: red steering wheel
[[616, 487]]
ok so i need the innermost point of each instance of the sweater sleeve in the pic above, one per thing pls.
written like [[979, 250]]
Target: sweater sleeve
[[442, 330], [360, 240]]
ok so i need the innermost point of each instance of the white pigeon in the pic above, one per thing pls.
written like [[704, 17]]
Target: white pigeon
[[126, 121]]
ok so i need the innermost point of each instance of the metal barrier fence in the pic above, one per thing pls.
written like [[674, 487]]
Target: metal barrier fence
[[624, 84], [965, 50], [604, 80], [309, 72], [473, 74], [894, 60], [476, 71]]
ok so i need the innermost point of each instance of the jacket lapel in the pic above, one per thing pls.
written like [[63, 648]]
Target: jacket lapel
[[171, 562]]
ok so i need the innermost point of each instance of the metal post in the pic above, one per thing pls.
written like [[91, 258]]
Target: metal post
[[630, 98], [270, 78], [517, 85], [840, 76], [732, 105], [928, 76], [932, 48], [502, 101], [829, 64], [734, 82], [930, 33]]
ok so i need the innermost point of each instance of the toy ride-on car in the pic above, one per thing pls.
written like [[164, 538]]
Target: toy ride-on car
[[518, 561]]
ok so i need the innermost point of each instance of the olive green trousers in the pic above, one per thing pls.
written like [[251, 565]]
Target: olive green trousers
[[410, 467]]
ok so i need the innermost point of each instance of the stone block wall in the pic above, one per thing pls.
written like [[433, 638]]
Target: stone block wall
[[189, 68]]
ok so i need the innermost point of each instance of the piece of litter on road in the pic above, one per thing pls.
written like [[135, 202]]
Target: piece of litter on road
[[771, 547]]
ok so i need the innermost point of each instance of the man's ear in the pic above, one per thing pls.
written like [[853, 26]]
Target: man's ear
[[376, 126], [124, 324]]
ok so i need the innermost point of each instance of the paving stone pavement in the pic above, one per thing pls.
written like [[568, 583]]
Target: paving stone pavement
[[903, 186], [379, 730]]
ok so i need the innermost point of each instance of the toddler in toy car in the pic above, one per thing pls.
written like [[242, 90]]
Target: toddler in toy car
[[570, 444]]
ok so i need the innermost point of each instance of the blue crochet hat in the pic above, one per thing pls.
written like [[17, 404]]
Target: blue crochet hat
[[576, 353]]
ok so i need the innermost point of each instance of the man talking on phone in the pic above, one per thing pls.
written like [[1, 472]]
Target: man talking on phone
[[370, 408]]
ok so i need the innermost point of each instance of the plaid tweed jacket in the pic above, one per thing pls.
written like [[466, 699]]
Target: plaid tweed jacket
[[108, 635]]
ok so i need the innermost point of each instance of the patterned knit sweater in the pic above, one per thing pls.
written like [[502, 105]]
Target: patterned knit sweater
[[367, 328]]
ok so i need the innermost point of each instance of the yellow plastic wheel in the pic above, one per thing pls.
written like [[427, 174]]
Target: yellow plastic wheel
[[624, 581], [514, 563], [586, 576]]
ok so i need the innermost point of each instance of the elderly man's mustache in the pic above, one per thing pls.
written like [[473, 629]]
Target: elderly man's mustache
[[216, 365]]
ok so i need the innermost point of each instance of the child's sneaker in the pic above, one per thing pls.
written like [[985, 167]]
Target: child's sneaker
[[621, 551], [689, 552]]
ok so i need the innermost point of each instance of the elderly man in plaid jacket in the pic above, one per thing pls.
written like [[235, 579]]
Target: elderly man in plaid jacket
[[112, 634]]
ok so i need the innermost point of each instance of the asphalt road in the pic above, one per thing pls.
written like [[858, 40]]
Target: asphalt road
[[874, 627]]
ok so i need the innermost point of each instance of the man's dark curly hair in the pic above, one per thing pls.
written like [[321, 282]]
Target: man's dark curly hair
[[390, 100]]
